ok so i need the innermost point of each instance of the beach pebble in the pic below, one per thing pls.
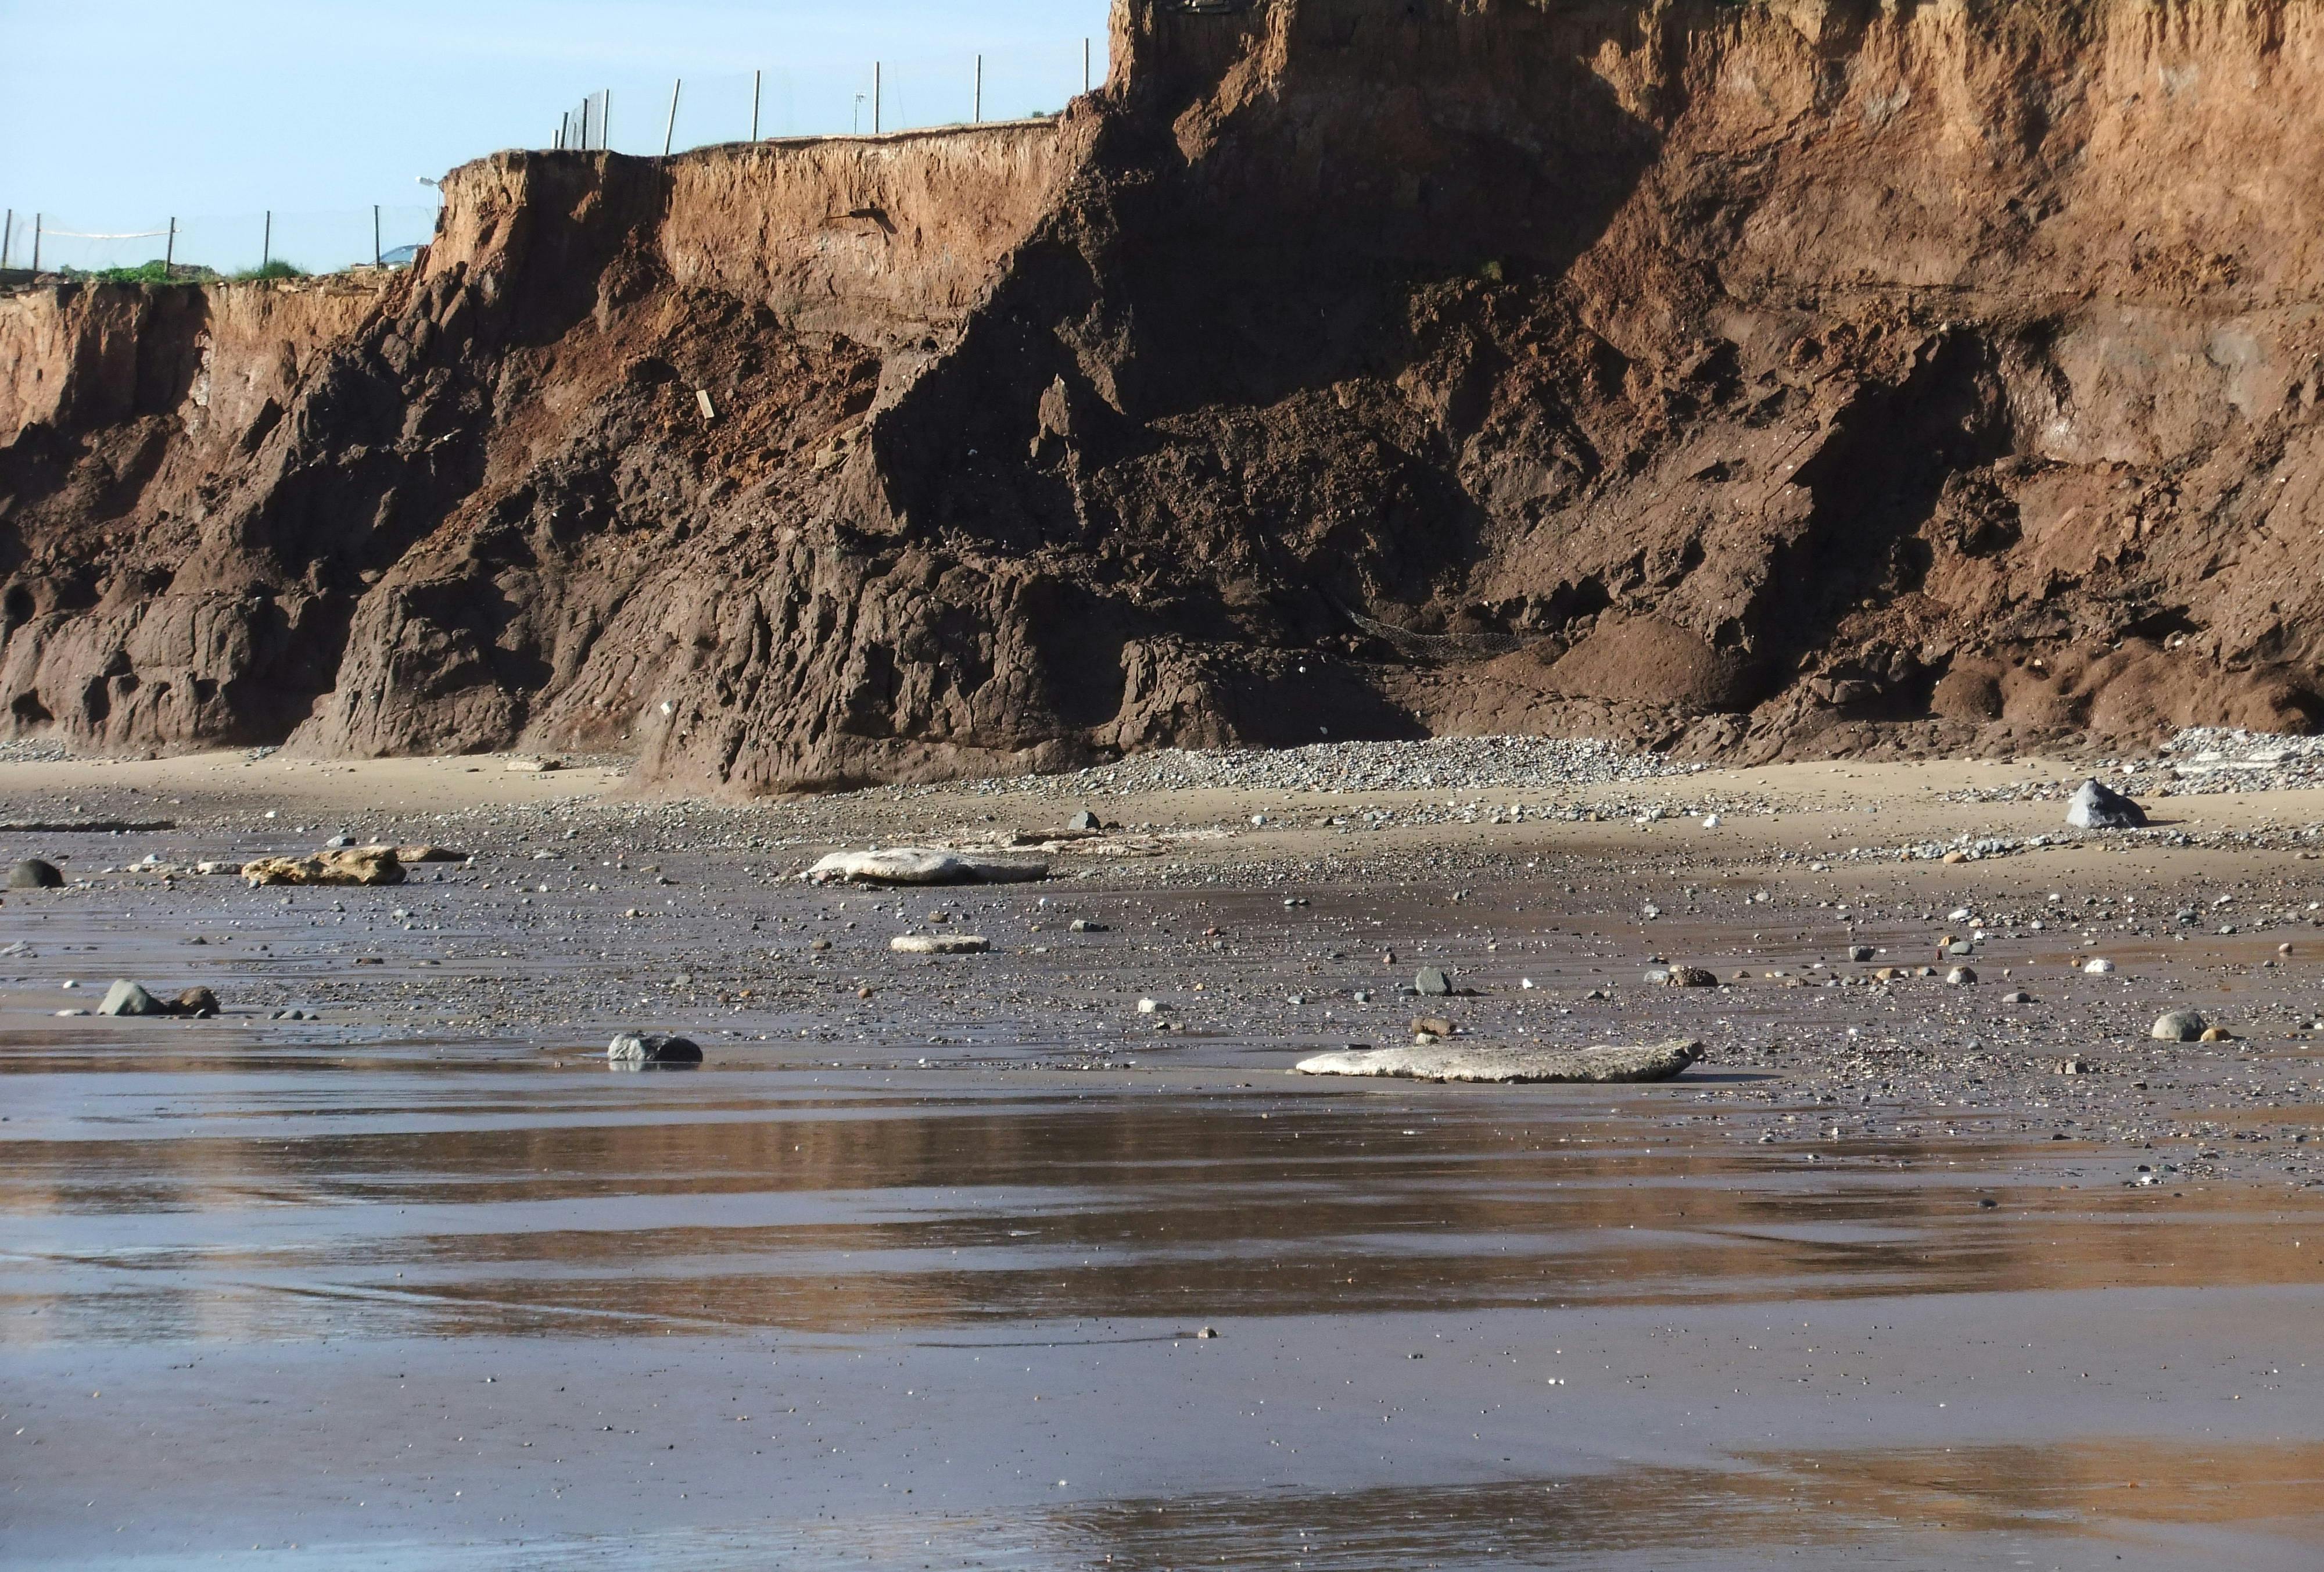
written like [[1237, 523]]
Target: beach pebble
[[34, 873], [1432, 981], [2178, 1026], [2098, 966]]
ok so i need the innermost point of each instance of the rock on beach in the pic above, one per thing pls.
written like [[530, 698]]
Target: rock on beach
[[922, 865], [2099, 807], [939, 944], [1509, 1066], [653, 1048]]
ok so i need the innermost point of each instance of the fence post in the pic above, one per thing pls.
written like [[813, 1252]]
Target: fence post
[[7, 233], [875, 98], [754, 105], [1086, 65], [606, 124], [670, 130], [376, 259], [976, 109], [585, 125], [36, 244], [170, 251], [267, 242]]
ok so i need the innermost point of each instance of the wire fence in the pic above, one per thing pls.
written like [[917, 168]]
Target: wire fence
[[885, 96], [910, 94], [217, 246]]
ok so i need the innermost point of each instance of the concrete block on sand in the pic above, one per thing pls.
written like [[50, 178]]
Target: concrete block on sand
[[1446, 1061], [920, 865]]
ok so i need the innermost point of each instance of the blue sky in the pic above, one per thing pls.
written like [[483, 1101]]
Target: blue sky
[[121, 114]]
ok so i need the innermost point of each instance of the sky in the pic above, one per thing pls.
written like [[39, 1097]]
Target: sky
[[120, 116]]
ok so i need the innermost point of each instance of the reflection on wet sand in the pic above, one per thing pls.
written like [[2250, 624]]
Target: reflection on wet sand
[[536, 1205], [1919, 1506]]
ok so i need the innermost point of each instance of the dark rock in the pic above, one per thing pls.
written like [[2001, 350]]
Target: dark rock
[[32, 874], [1085, 820], [198, 1003], [653, 1048], [1432, 983]]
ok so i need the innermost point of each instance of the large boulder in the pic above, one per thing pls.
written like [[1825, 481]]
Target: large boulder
[[2099, 807], [1447, 1061]]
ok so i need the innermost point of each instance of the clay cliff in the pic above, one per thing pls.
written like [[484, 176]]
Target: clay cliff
[[1751, 378]]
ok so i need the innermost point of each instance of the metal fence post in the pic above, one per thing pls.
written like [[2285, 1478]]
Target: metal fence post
[[976, 105], [754, 105], [376, 259], [170, 251], [606, 124], [670, 130], [7, 233], [267, 242], [1086, 65], [36, 242], [875, 98]]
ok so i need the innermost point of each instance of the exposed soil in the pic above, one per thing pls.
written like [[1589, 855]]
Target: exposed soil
[[1751, 381]]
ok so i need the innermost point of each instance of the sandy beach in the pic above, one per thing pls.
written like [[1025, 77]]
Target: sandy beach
[[918, 1267]]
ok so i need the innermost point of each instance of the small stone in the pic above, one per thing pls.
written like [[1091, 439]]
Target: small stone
[[1961, 947], [198, 1003], [1084, 925], [1149, 1007], [2097, 807], [128, 998], [1860, 952], [2019, 997], [1962, 976], [1432, 983], [820, 944], [2178, 1026], [2217, 1034], [1085, 821], [1691, 977], [653, 1048], [2098, 966], [1433, 1025], [34, 873], [1207, 1332]]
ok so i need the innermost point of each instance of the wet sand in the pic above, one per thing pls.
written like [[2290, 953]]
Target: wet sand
[[912, 1272]]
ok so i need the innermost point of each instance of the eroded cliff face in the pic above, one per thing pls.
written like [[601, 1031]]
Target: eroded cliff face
[[1745, 378]]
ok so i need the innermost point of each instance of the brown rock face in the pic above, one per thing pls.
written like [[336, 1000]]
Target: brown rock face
[[1747, 378]]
